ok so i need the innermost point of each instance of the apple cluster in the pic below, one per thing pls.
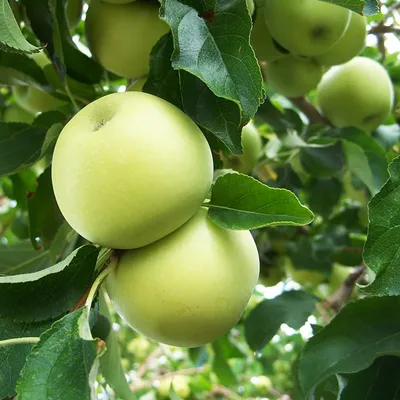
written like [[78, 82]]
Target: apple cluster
[[310, 44]]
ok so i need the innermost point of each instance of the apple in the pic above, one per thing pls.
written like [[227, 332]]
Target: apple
[[180, 383], [74, 12], [262, 382], [14, 113], [121, 36], [139, 347], [349, 45], [358, 93], [130, 168], [252, 145], [137, 85], [261, 40], [293, 77], [305, 277], [189, 288], [306, 27]]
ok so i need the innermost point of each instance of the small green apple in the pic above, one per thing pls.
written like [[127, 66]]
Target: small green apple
[[74, 12], [14, 113], [180, 383], [140, 169], [261, 40], [292, 76], [139, 347], [349, 45], [252, 144], [262, 382], [189, 288], [121, 36], [358, 93], [305, 27]]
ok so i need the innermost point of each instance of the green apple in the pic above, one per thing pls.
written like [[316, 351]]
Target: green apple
[[74, 12], [189, 288], [14, 113], [349, 45], [139, 347], [137, 85], [261, 40], [358, 93], [305, 27], [121, 36], [262, 382], [305, 277], [180, 383], [129, 169], [292, 76], [252, 144]]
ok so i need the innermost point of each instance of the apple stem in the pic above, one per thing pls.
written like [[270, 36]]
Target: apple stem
[[313, 115]]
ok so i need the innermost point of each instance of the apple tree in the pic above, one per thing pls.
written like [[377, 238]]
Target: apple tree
[[199, 199]]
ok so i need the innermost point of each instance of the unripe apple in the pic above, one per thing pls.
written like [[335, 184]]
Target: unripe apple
[[305, 27], [261, 40], [14, 113], [292, 76], [262, 382], [74, 12], [252, 144], [305, 277], [139, 347], [121, 36], [349, 45], [180, 383], [189, 288], [358, 93], [129, 169]]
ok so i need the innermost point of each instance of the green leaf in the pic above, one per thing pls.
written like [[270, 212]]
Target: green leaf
[[12, 357], [21, 258], [11, 37], [365, 7], [381, 252], [45, 217], [241, 202], [110, 361], [324, 194], [221, 367], [198, 355], [50, 292], [220, 57], [362, 331], [379, 381], [219, 116], [60, 365], [292, 308]]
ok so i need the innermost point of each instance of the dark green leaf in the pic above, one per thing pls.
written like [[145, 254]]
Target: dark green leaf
[[59, 366], [221, 367], [221, 58], [292, 308], [50, 292], [21, 258], [11, 37], [361, 332], [323, 195], [365, 7], [12, 358], [45, 217], [381, 252], [241, 202], [198, 355]]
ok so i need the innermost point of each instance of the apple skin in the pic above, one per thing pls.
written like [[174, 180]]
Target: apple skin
[[14, 113], [261, 40], [293, 77], [305, 27], [130, 168], [74, 12], [252, 145], [358, 93], [121, 36], [349, 45], [189, 288]]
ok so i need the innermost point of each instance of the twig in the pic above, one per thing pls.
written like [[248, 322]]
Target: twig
[[143, 368], [22, 340], [224, 392], [343, 293], [382, 29], [314, 117]]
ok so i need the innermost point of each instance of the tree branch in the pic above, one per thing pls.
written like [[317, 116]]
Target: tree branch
[[309, 110]]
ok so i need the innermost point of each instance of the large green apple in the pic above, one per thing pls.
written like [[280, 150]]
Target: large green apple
[[358, 93], [121, 36], [252, 144], [129, 169], [189, 288], [261, 40], [14, 113], [74, 12], [349, 45], [292, 76], [305, 27]]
